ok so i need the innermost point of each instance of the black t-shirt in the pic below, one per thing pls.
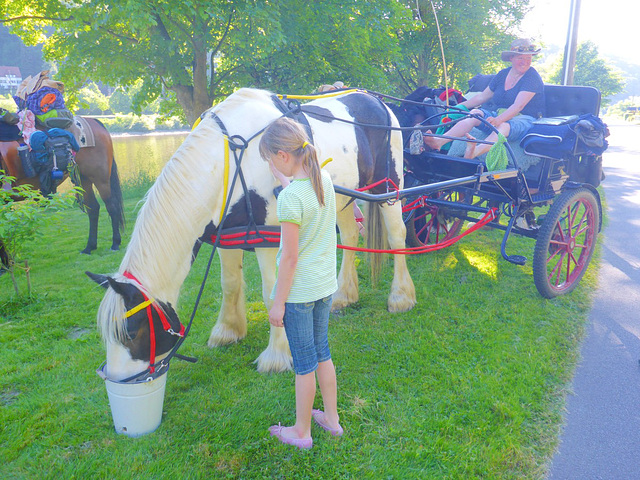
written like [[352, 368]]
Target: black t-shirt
[[530, 82]]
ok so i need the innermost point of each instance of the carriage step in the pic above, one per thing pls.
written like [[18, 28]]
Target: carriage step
[[542, 197]]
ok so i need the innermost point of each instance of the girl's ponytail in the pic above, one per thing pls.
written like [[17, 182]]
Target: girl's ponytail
[[311, 165], [289, 136]]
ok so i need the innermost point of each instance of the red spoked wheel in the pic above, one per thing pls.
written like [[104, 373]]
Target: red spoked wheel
[[566, 242], [429, 224]]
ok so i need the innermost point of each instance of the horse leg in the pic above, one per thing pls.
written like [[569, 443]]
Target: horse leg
[[93, 211], [114, 211], [277, 356], [232, 319], [111, 195], [348, 277], [115, 206], [403, 293]]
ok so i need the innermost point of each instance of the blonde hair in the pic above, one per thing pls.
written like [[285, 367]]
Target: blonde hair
[[288, 136]]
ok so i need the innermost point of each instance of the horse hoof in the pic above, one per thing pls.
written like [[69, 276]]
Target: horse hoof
[[87, 251], [400, 304], [115, 248], [223, 335], [272, 361], [341, 301]]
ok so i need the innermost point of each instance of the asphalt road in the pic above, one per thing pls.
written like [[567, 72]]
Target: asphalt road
[[601, 437]]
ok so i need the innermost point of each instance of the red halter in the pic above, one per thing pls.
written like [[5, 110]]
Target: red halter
[[148, 304]]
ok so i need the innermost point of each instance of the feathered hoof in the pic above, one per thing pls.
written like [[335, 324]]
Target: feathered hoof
[[273, 361], [223, 335], [398, 304], [340, 301]]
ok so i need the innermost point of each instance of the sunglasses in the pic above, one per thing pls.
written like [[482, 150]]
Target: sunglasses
[[530, 48]]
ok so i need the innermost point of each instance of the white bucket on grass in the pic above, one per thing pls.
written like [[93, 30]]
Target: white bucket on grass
[[136, 407]]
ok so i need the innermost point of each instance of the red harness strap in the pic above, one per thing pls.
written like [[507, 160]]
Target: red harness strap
[[163, 318]]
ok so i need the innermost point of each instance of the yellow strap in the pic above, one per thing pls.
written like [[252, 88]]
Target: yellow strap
[[318, 95], [137, 308], [328, 160], [226, 176], [196, 123]]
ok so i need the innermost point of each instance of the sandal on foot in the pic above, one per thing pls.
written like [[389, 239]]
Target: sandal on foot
[[318, 416], [276, 431]]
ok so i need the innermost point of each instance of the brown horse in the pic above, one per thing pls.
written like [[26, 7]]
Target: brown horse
[[97, 167]]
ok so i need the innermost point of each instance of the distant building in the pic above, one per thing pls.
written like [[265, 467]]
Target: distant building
[[10, 79]]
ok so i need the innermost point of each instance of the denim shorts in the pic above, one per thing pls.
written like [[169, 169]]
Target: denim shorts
[[519, 125], [306, 325]]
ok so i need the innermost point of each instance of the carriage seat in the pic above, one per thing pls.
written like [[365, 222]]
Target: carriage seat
[[560, 100]]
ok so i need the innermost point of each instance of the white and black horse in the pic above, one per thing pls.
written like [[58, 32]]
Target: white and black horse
[[190, 194]]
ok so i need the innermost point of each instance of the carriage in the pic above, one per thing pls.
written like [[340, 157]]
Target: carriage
[[552, 198]]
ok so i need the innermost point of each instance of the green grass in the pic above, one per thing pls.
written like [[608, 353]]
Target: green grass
[[469, 384]]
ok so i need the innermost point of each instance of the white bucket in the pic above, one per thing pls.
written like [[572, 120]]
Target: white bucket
[[136, 407]]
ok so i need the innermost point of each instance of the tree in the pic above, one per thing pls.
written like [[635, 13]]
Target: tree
[[195, 52], [474, 32], [92, 100], [590, 70]]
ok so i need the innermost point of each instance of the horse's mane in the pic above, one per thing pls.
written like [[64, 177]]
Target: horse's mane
[[176, 209], [242, 96]]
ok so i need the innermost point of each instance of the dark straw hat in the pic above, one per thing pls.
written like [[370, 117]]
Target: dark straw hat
[[520, 46]]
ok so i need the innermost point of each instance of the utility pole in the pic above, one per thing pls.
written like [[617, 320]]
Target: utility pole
[[571, 46]]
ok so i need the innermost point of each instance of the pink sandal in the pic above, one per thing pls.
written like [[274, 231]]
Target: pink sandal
[[276, 431], [318, 416]]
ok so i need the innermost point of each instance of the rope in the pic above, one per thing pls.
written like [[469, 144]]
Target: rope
[[486, 218]]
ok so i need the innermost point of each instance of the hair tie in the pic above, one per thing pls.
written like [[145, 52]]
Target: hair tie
[[305, 144]]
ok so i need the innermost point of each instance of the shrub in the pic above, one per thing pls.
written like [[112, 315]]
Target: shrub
[[21, 221]]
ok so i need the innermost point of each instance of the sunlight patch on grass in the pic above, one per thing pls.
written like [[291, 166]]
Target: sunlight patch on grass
[[481, 261], [256, 312]]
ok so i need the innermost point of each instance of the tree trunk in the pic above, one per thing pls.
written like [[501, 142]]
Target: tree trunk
[[13, 279], [27, 271], [195, 99]]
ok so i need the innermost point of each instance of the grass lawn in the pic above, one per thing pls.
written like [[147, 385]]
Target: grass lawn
[[469, 384]]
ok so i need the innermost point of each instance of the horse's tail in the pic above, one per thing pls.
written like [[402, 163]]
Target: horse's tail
[[116, 194], [376, 239]]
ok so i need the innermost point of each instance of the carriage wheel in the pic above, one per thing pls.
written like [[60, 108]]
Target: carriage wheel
[[566, 242], [431, 224]]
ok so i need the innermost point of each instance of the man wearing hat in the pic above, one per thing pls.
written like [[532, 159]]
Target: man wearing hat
[[511, 102]]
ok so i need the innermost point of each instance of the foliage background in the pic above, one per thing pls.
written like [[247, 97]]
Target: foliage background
[[195, 52]]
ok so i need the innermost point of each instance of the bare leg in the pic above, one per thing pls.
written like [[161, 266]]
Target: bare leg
[[329, 389], [305, 394], [504, 129], [458, 130], [471, 147]]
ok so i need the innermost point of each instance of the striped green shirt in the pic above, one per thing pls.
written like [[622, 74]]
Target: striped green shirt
[[315, 275]]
